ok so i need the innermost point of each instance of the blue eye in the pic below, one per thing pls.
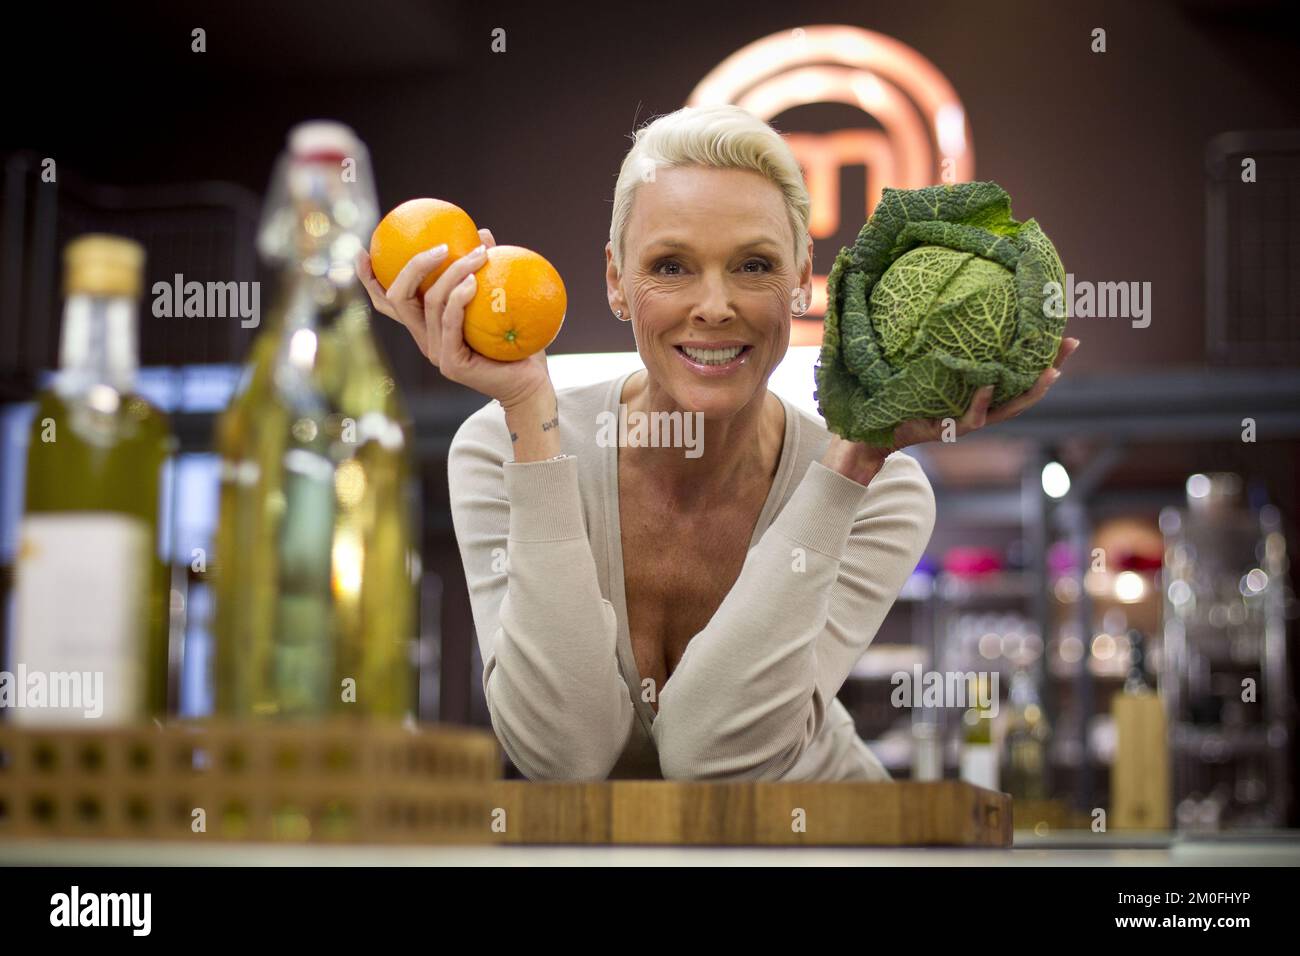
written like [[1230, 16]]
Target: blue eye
[[767, 266], [667, 262]]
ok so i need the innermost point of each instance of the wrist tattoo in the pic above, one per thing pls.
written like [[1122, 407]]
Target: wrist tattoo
[[553, 423], [514, 437]]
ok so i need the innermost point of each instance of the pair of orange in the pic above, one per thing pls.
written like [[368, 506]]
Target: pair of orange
[[520, 303]]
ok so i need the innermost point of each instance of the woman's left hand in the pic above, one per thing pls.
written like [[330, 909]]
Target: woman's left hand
[[859, 461]]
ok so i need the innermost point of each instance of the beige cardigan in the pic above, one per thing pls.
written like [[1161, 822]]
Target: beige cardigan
[[753, 696]]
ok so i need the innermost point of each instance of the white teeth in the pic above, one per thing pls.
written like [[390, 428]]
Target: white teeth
[[713, 356]]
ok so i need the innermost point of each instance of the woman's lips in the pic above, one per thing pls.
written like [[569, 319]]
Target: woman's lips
[[713, 371]]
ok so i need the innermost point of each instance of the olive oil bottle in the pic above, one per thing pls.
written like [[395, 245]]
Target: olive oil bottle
[[90, 625], [315, 600], [979, 751]]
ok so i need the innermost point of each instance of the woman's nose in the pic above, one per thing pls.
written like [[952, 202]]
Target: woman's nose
[[714, 304]]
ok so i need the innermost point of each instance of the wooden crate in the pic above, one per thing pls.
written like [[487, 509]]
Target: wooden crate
[[652, 812], [333, 781]]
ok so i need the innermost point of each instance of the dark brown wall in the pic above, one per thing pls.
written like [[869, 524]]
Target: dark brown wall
[[1107, 151]]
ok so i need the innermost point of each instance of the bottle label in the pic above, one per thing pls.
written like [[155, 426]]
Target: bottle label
[[81, 620], [979, 765]]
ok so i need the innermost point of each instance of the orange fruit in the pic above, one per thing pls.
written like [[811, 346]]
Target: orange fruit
[[518, 307], [415, 226]]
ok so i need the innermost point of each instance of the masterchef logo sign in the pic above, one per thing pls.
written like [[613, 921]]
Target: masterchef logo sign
[[917, 133]]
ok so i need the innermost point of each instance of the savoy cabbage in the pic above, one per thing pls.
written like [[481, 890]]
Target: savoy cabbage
[[941, 294]]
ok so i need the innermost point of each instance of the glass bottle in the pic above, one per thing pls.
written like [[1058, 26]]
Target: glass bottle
[[91, 587], [1025, 742], [979, 752], [314, 597]]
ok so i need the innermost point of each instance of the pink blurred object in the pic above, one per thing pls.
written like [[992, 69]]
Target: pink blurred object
[[1061, 559], [1137, 561], [972, 562]]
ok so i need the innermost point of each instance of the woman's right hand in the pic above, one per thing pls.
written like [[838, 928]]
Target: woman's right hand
[[436, 322]]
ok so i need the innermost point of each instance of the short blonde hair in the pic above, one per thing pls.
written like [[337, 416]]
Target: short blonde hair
[[723, 137]]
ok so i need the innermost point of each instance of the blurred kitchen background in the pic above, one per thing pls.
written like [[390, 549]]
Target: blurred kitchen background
[[1122, 534]]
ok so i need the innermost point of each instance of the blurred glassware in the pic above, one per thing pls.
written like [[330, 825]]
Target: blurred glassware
[[314, 573]]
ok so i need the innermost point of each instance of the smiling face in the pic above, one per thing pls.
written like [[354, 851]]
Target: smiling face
[[709, 281]]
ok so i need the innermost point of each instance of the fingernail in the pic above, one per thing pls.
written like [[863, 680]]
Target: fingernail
[[479, 252], [1056, 373], [440, 249]]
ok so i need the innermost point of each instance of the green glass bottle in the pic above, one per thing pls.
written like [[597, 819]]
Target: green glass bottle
[[373, 548], [979, 751], [1025, 744], [91, 588], [315, 602]]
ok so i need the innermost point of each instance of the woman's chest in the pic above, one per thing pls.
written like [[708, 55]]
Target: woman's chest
[[676, 573]]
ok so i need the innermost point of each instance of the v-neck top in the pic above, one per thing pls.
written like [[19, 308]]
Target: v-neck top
[[753, 695], [616, 578]]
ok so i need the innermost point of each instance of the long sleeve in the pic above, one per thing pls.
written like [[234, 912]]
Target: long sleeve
[[548, 638], [753, 687]]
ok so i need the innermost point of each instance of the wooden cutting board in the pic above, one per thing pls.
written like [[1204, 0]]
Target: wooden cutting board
[[939, 813]]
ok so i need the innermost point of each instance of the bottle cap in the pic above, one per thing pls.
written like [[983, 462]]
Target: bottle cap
[[323, 140], [100, 264], [310, 207]]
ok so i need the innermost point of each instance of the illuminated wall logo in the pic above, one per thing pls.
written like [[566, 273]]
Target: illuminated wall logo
[[924, 135]]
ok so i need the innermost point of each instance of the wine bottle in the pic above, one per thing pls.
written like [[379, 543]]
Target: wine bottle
[[315, 602], [1026, 740], [979, 751], [91, 590]]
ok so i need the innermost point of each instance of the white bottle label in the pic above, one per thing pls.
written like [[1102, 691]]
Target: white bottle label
[[81, 619], [979, 765]]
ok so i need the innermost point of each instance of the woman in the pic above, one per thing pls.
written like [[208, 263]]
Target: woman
[[665, 614]]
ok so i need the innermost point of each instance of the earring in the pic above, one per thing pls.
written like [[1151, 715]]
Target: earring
[[800, 306], [618, 314]]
